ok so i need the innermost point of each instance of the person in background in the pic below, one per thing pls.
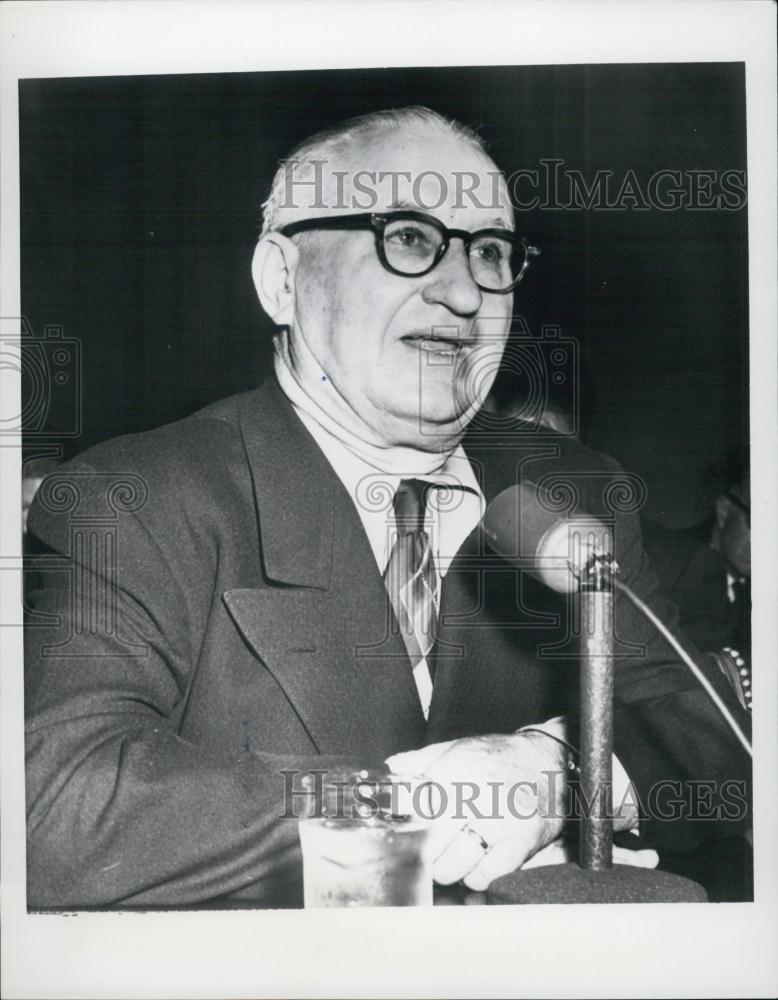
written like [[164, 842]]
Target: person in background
[[34, 471], [705, 571]]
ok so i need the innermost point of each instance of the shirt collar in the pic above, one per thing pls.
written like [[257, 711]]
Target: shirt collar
[[453, 510]]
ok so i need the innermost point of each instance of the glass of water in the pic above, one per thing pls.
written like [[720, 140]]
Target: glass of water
[[365, 840]]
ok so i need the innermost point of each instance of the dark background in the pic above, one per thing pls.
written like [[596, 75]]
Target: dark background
[[141, 197]]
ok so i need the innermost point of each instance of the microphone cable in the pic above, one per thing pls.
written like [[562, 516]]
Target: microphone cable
[[668, 635]]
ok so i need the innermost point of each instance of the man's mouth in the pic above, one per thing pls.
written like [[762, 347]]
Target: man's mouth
[[437, 344]]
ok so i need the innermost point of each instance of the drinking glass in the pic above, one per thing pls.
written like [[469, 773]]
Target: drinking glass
[[365, 840]]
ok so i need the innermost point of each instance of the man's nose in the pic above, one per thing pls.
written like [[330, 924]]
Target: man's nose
[[451, 283]]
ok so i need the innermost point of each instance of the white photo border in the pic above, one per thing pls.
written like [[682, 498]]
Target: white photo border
[[657, 950]]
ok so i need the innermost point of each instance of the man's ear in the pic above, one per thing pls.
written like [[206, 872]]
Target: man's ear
[[273, 268], [723, 507]]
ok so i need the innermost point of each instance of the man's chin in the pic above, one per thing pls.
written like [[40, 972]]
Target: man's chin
[[432, 430]]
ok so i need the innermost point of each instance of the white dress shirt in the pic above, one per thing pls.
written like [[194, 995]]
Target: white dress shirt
[[453, 511]]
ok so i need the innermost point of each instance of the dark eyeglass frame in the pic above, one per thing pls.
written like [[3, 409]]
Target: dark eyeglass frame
[[378, 221]]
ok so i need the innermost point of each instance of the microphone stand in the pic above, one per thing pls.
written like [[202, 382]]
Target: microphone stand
[[596, 604], [595, 879]]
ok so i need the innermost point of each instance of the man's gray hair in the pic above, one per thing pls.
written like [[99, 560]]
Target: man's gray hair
[[276, 213]]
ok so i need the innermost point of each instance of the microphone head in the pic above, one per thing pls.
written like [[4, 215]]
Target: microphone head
[[525, 526]]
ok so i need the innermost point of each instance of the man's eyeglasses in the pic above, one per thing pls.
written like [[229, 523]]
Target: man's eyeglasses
[[412, 244]]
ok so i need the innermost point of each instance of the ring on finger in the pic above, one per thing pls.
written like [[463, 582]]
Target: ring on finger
[[477, 836]]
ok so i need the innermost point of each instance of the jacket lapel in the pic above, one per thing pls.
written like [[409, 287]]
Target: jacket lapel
[[490, 673], [320, 621]]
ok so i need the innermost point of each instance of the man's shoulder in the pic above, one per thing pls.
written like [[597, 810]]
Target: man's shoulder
[[195, 447], [554, 461], [572, 454], [191, 467], [191, 439]]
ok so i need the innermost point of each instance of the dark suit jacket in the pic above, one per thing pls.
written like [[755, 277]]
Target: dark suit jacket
[[246, 632]]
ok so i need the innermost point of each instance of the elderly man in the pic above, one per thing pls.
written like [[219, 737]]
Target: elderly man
[[301, 582]]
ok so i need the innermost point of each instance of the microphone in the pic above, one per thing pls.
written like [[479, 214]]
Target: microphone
[[574, 555], [524, 526]]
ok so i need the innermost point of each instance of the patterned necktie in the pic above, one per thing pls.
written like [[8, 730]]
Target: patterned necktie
[[410, 576]]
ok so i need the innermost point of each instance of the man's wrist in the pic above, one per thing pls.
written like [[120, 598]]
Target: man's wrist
[[626, 813], [572, 763]]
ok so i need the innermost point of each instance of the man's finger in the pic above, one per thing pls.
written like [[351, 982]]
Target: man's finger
[[643, 858], [558, 852], [505, 857], [460, 857]]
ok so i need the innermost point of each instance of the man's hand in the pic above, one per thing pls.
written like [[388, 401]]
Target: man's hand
[[500, 798]]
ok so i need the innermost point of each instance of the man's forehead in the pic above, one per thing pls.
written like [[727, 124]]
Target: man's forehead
[[412, 144], [407, 167]]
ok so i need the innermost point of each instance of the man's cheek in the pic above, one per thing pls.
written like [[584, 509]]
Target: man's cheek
[[479, 371]]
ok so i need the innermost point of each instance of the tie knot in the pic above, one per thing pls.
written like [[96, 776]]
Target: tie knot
[[409, 505]]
